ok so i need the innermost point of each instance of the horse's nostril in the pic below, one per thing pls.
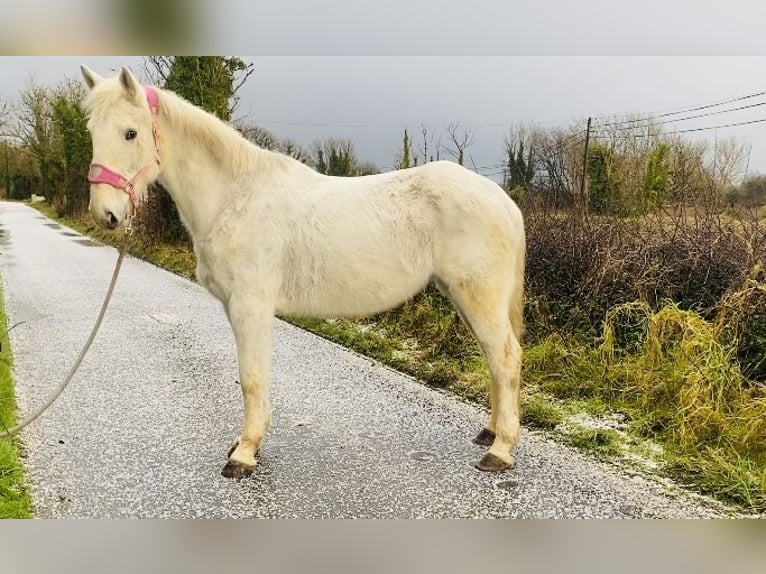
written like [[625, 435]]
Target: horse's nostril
[[111, 220]]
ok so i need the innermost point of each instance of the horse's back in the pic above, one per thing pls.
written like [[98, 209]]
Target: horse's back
[[360, 245], [441, 190]]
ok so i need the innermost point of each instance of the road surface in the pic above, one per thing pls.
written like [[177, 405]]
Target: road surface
[[144, 428]]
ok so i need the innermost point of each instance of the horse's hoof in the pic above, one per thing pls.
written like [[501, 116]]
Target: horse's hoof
[[485, 438], [234, 469], [492, 463]]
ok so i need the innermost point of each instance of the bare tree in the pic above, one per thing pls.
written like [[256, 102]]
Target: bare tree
[[258, 135], [157, 69], [689, 179], [460, 139], [752, 192], [428, 138], [558, 155], [295, 151], [367, 168], [267, 139], [33, 127], [5, 118], [730, 164]]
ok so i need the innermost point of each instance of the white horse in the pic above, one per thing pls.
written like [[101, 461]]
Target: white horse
[[272, 236]]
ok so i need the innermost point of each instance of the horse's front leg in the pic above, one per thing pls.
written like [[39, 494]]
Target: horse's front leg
[[251, 322]]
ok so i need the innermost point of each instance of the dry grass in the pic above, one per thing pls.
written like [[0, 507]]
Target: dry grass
[[741, 320]]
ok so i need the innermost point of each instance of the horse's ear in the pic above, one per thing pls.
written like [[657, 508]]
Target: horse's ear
[[129, 82], [91, 77]]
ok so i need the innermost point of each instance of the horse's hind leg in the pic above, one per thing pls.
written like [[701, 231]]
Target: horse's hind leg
[[486, 310], [251, 323]]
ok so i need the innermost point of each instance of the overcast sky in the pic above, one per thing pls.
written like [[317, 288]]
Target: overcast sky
[[371, 99]]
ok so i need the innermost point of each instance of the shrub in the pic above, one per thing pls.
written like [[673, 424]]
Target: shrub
[[580, 268]]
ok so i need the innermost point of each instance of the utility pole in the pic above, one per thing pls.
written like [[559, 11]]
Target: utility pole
[[583, 181]]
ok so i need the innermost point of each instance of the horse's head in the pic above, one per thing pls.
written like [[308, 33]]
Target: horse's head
[[122, 116]]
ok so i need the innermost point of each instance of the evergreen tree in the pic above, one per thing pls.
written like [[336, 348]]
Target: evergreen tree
[[69, 122], [335, 157], [206, 81], [404, 160], [603, 186], [520, 167]]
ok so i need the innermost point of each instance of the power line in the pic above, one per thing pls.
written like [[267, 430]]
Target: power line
[[654, 115], [691, 129], [714, 104], [706, 114], [718, 127]]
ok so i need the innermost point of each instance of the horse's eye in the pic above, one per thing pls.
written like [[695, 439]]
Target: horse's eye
[[130, 134]]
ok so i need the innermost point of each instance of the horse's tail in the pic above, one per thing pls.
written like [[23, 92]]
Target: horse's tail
[[516, 309]]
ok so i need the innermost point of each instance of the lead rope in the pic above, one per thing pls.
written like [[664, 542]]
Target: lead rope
[[15, 429]]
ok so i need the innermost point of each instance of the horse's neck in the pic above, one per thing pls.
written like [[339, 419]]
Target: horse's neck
[[188, 177], [199, 186], [203, 185]]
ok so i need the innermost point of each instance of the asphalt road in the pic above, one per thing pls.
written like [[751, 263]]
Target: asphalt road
[[144, 428]]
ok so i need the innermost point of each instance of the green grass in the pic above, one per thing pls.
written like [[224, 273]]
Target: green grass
[[541, 413], [600, 443], [14, 497], [667, 373]]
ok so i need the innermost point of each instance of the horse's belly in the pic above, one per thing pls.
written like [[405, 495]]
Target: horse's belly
[[352, 296]]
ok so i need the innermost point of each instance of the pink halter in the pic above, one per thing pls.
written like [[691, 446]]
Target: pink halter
[[98, 173]]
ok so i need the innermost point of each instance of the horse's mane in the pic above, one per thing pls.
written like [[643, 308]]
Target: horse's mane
[[229, 148], [224, 143]]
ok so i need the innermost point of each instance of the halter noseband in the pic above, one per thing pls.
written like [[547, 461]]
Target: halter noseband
[[98, 173]]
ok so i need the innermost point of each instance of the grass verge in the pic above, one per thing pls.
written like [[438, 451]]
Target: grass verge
[[14, 497], [675, 383], [658, 388]]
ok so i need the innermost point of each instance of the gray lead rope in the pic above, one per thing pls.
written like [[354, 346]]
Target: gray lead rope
[[15, 429]]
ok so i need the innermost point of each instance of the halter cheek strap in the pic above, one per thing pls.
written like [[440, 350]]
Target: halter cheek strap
[[98, 173]]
